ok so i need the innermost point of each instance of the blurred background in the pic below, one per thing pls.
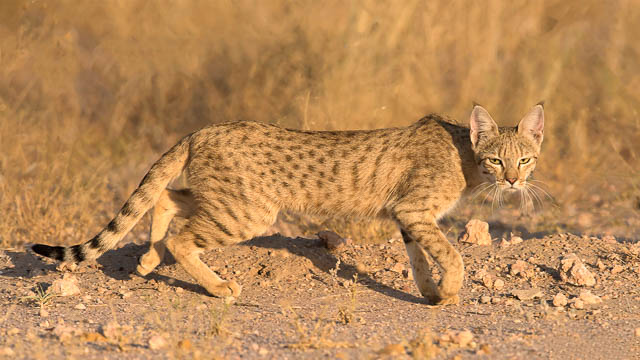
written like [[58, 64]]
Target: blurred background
[[92, 92]]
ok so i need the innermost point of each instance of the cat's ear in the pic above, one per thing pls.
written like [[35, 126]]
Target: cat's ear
[[481, 125], [532, 124]]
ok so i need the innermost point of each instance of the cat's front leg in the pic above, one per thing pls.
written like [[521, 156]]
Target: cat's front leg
[[420, 231]]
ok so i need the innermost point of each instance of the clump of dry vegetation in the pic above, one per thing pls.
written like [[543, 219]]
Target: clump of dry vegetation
[[92, 92]]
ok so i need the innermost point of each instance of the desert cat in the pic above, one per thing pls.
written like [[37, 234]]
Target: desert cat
[[241, 174]]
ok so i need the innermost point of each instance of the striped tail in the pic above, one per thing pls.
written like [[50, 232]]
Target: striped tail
[[167, 168]]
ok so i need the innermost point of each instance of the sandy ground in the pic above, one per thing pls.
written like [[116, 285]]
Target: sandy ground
[[301, 300]]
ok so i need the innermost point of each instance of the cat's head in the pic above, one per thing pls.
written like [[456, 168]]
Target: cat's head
[[506, 156]]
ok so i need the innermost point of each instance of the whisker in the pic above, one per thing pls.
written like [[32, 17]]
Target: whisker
[[534, 192], [487, 195], [480, 189], [545, 192]]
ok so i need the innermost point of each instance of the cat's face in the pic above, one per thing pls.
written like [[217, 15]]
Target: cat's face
[[506, 157]]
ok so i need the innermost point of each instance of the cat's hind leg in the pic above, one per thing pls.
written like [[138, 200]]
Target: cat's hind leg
[[186, 248], [171, 203]]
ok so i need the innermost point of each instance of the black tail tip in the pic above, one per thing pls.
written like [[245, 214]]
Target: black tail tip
[[54, 252]]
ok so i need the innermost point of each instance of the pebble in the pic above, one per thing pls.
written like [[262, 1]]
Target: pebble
[[407, 274], [573, 271], [636, 332], [560, 300], [111, 330], [485, 299], [157, 342], [527, 294], [398, 267], [462, 338], [476, 232], [577, 304], [331, 240], [80, 306], [588, 298], [487, 280], [617, 269], [516, 240], [67, 286], [498, 284], [521, 268]]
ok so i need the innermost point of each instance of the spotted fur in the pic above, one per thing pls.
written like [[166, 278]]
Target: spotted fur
[[241, 174]]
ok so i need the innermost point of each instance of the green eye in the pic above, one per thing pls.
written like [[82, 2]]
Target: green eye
[[495, 161], [524, 161]]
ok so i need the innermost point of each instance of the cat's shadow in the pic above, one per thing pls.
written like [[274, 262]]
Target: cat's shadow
[[326, 261]]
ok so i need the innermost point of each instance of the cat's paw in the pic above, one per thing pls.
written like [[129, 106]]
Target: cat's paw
[[225, 289]]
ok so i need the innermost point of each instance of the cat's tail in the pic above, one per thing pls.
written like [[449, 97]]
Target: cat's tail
[[167, 168]]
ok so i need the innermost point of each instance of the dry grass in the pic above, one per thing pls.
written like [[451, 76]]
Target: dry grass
[[92, 92]]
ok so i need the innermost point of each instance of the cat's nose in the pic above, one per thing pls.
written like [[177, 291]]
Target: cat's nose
[[511, 180]]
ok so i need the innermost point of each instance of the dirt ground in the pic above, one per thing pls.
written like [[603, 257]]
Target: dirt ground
[[301, 300]]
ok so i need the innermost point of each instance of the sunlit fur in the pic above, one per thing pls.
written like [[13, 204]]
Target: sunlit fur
[[506, 160]]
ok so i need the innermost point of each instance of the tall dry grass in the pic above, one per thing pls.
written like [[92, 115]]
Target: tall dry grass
[[92, 92]]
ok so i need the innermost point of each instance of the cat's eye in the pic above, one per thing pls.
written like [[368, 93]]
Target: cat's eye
[[524, 161], [495, 161]]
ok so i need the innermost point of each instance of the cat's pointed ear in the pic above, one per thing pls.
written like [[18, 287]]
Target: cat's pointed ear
[[481, 125], [532, 124]]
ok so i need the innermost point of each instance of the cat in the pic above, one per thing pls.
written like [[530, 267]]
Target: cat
[[241, 174]]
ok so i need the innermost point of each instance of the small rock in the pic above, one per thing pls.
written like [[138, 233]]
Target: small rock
[[45, 324], [504, 243], [617, 269], [80, 306], [577, 304], [588, 298], [560, 300], [484, 349], [516, 240], [496, 300], [485, 299], [521, 268], [263, 352], [476, 232], [601, 266], [13, 331], [157, 342], [573, 271], [111, 330], [498, 284], [487, 281], [64, 332], [636, 332], [67, 286], [331, 240], [609, 239], [527, 294], [398, 267], [462, 338], [407, 274]]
